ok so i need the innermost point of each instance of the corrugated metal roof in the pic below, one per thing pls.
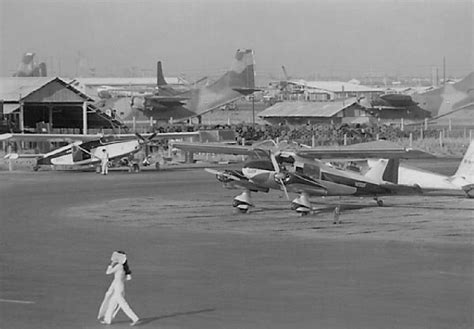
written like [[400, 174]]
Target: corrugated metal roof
[[12, 89], [335, 86], [306, 109]]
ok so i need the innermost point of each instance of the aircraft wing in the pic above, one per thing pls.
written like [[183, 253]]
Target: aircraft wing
[[162, 135], [48, 137], [85, 138], [378, 149], [216, 148]]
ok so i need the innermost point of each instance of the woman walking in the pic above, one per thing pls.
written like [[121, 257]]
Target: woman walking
[[114, 299]]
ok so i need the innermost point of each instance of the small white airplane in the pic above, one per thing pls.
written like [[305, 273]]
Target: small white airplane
[[87, 150]]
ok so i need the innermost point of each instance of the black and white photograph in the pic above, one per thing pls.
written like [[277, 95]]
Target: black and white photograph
[[237, 164]]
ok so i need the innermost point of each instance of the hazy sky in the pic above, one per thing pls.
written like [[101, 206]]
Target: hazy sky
[[199, 37]]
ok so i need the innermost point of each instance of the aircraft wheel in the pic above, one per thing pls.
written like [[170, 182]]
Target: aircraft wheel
[[136, 167], [157, 166], [243, 210], [35, 168], [380, 203]]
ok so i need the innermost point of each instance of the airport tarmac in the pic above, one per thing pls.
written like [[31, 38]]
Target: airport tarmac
[[198, 264]]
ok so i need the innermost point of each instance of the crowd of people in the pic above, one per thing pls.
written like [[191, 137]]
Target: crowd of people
[[324, 134]]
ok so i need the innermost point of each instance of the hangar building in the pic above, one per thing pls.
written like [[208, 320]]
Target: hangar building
[[49, 105]]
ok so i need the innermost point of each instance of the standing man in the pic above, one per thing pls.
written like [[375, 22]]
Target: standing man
[[104, 162]]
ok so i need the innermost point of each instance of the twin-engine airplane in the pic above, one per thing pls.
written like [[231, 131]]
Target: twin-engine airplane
[[304, 172], [169, 103], [88, 150], [301, 171]]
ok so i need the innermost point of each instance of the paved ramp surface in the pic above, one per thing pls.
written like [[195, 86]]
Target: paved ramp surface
[[56, 239]]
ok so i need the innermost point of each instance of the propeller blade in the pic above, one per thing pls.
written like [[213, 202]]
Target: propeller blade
[[140, 137], [284, 189], [150, 138], [274, 162]]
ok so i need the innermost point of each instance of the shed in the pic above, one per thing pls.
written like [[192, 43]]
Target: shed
[[49, 102], [313, 112]]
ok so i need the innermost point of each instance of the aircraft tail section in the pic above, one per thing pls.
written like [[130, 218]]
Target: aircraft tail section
[[466, 167], [160, 78], [241, 76], [384, 170], [376, 171]]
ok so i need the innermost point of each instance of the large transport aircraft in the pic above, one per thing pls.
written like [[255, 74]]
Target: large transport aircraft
[[168, 103], [303, 172], [87, 150]]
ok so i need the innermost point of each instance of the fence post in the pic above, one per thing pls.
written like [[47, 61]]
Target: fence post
[[402, 125], [421, 133], [440, 139], [426, 123], [411, 140], [345, 139], [313, 141]]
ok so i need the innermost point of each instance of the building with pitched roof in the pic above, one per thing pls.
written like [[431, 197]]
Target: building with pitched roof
[[51, 103], [301, 112]]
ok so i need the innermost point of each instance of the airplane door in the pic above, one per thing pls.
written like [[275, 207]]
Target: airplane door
[[77, 154]]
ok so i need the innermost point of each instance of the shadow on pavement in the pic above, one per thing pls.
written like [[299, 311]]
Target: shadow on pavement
[[147, 320]]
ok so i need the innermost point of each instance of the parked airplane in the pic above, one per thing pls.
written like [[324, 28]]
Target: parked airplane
[[87, 150], [263, 173], [449, 99], [168, 103], [309, 176]]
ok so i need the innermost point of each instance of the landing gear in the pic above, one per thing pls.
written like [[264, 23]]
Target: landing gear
[[302, 205], [379, 202], [133, 167], [242, 202], [35, 168]]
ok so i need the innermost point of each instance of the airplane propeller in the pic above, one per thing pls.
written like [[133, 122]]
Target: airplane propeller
[[146, 141], [278, 174]]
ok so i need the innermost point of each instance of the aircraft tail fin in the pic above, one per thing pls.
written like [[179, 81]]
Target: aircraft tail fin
[[384, 170], [466, 167], [160, 78], [241, 76]]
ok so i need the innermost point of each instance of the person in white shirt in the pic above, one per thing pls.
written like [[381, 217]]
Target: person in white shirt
[[114, 299], [104, 162]]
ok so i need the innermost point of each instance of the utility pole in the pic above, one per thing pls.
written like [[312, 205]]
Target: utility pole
[[444, 70]]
